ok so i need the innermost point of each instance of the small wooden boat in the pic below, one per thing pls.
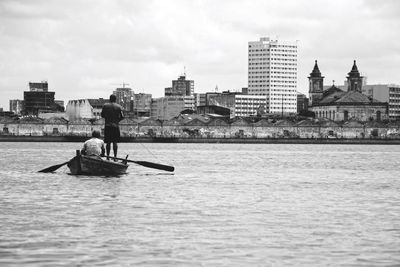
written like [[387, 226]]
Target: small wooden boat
[[94, 165]]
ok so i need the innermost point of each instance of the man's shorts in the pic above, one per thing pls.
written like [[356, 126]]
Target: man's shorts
[[111, 134]]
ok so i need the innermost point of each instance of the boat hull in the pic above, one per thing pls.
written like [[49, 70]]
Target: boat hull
[[90, 165]]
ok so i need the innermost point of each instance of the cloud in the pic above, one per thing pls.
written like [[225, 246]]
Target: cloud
[[82, 47]]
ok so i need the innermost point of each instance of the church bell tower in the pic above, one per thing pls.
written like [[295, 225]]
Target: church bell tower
[[316, 85], [354, 80]]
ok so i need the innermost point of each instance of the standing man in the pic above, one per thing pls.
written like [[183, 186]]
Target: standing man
[[112, 113]]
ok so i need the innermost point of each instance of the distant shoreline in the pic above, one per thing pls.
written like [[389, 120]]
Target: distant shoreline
[[12, 138]]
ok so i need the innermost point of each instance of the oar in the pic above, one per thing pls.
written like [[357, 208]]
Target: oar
[[54, 167], [149, 164]]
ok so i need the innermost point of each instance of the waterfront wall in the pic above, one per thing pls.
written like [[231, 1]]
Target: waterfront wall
[[197, 129]]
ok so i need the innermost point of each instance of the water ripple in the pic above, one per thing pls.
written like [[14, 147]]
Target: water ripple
[[225, 205]]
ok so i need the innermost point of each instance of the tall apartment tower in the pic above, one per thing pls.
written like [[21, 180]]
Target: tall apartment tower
[[272, 71]]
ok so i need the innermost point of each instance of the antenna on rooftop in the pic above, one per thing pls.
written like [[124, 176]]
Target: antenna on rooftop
[[123, 84]]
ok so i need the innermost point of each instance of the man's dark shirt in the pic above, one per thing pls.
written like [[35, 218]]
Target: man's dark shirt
[[112, 113]]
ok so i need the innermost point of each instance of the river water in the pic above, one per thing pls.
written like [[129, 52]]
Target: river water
[[225, 205]]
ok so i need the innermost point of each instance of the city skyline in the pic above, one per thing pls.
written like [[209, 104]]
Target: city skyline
[[84, 49]]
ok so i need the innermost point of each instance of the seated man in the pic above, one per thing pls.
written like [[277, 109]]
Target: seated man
[[94, 146]]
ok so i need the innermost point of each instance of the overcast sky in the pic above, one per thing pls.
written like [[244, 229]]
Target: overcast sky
[[84, 49]]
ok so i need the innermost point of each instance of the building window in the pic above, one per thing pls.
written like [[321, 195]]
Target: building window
[[378, 115], [5, 130], [346, 115], [55, 131]]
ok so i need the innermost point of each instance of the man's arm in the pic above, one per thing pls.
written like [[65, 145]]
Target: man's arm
[[83, 150]]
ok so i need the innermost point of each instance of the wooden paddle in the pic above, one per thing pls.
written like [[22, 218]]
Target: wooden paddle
[[54, 167], [148, 164]]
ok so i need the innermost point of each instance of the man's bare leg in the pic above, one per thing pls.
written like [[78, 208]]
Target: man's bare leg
[[115, 149], [108, 149]]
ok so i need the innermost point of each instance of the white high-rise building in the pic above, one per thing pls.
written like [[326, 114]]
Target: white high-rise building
[[272, 71]]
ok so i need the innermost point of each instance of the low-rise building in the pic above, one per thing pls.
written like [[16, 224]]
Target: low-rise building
[[302, 102], [35, 101], [249, 105], [165, 108], [60, 103], [199, 99], [180, 87], [84, 109], [97, 105], [125, 98], [389, 93], [39, 99], [16, 106], [240, 105], [214, 111], [141, 105]]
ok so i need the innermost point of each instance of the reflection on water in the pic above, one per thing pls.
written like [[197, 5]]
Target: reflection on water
[[225, 205]]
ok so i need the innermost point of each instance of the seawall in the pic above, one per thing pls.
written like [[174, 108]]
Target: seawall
[[11, 138]]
